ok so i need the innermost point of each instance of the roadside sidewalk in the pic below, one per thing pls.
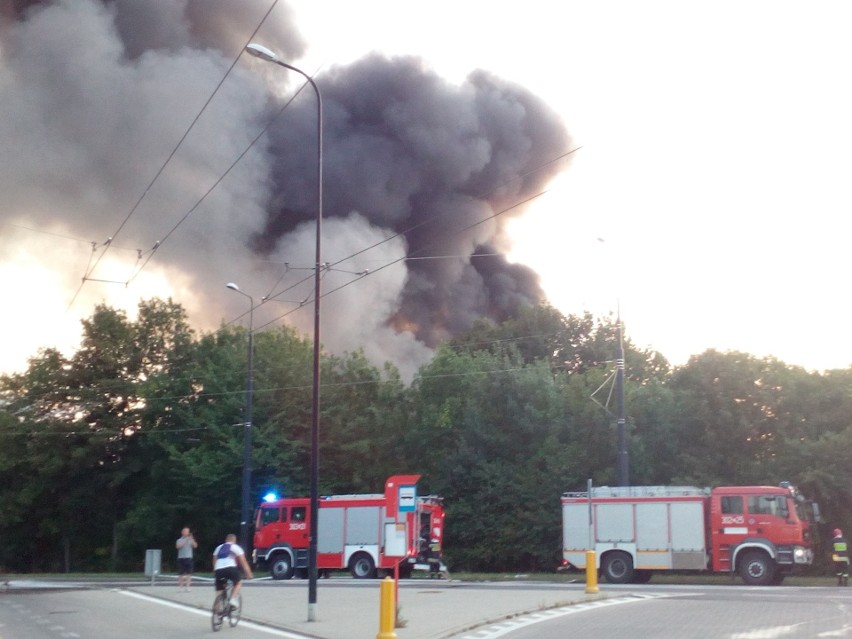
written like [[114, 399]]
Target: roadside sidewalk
[[348, 609]]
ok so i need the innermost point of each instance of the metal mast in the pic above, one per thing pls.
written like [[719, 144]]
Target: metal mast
[[622, 459]]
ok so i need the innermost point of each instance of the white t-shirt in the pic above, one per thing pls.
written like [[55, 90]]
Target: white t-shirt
[[230, 558]]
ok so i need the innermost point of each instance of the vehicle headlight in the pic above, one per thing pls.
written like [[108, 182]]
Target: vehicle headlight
[[802, 555]]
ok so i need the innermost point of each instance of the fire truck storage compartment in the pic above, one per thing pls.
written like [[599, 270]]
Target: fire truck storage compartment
[[663, 531], [344, 527]]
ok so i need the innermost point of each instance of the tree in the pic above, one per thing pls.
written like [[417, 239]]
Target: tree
[[483, 424], [83, 420], [363, 420], [142, 430]]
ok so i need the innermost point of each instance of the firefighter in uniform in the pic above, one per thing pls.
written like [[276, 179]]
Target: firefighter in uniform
[[840, 557], [430, 552]]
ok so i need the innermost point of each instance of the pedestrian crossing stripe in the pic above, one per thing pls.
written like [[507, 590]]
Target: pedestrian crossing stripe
[[499, 629]]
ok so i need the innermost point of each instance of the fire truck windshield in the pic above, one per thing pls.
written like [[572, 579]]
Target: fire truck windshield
[[268, 515], [768, 505]]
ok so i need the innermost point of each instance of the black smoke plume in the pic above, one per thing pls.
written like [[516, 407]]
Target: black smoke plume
[[426, 172]]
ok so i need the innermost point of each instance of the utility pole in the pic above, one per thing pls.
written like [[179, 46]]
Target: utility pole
[[622, 459]]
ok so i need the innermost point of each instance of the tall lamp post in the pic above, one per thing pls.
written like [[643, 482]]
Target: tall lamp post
[[263, 53], [247, 425], [623, 459]]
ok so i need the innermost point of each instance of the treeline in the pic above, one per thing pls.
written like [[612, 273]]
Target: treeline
[[111, 451]]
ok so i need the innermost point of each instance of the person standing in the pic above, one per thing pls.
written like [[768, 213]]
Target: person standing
[[840, 557], [228, 558], [185, 545]]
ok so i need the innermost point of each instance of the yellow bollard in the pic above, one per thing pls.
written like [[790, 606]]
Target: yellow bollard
[[591, 573], [387, 610]]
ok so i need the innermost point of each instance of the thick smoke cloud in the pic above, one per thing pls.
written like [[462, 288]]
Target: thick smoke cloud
[[433, 162], [92, 111]]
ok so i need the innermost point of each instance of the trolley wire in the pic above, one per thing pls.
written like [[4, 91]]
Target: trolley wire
[[91, 268]]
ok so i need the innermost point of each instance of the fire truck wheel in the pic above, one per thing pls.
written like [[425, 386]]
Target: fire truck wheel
[[617, 567], [361, 566], [281, 567], [757, 569]]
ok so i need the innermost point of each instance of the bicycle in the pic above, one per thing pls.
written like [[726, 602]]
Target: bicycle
[[222, 608]]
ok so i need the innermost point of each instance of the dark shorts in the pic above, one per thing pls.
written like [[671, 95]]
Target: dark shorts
[[224, 575], [184, 566]]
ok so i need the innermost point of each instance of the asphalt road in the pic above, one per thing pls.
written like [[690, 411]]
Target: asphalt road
[[703, 613], [348, 609], [439, 610], [108, 614]]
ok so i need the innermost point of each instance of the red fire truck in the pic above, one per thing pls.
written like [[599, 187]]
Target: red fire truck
[[360, 533], [761, 532]]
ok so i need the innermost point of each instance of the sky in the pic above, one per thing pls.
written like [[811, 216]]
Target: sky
[[715, 153], [705, 198]]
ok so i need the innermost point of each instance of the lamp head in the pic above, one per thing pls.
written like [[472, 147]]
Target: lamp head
[[232, 286], [260, 51]]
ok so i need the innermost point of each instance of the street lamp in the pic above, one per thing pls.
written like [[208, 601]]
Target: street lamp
[[244, 513], [622, 459], [263, 53]]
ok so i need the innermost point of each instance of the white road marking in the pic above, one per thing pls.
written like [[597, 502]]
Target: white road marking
[[500, 629], [206, 613], [840, 632], [766, 633]]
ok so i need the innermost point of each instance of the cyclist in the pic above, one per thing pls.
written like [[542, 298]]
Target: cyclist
[[228, 558]]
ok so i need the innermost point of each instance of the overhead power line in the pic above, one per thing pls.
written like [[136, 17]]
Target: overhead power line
[[87, 275], [434, 218]]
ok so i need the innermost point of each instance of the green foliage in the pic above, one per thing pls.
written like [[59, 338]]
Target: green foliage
[[111, 451], [488, 434]]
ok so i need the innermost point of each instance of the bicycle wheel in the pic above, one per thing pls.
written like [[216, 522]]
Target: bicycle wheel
[[235, 613], [219, 612]]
